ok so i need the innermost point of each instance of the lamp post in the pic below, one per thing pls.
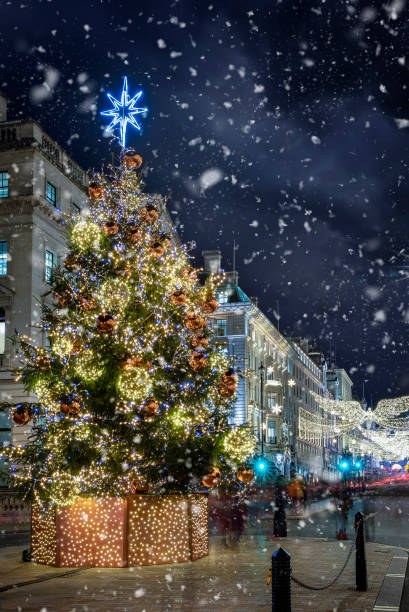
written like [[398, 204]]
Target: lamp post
[[261, 370]]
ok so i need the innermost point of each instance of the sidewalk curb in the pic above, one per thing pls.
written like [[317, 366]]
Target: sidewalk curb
[[390, 595]]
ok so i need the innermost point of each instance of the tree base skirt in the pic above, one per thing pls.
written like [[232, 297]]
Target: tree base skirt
[[121, 532]]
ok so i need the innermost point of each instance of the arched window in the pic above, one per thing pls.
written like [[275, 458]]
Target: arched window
[[2, 331]]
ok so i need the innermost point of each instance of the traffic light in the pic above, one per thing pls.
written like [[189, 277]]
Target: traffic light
[[358, 465], [344, 465], [264, 468]]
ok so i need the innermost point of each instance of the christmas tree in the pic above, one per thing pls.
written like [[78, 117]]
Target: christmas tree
[[132, 396]]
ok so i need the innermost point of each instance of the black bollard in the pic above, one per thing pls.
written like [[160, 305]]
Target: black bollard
[[360, 559], [281, 581]]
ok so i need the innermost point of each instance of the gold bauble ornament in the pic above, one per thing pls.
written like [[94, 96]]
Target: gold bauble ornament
[[62, 345], [88, 367], [134, 384], [114, 294], [86, 235]]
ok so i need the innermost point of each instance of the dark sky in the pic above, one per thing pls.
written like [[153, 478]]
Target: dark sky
[[282, 125]]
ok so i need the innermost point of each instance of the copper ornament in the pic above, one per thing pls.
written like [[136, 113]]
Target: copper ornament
[[197, 361], [71, 407], [88, 303], [245, 475], [62, 300], [156, 250], [95, 191], [209, 306], [71, 262], [21, 415], [105, 323], [194, 322], [134, 235], [111, 228], [198, 341], [189, 272], [132, 160], [178, 298], [149, 213], [151, 406], [213, 478], [225, 390]]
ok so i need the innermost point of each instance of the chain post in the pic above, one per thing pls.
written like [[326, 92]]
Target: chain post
[[360, 559], [281, 581]]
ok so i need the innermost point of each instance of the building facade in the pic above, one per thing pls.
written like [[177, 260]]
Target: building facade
[[39, 186], [275, 396]]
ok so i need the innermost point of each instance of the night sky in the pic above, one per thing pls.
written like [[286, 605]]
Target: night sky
[[281, 125]]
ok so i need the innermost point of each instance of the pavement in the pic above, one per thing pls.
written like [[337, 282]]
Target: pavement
[[229, 579]]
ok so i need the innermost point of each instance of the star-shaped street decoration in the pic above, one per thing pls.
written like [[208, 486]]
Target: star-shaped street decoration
[[124, 112]]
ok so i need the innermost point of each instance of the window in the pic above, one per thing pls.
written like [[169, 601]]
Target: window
[[2, 331], [75, 209], [51, 194], [223, 297], [221, 327], [5, 437], [3, 258], [4, 184], [50, 264], [272, 432], [271, 398]]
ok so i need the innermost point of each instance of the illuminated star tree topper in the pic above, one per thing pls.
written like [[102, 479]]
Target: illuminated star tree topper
[[124, 111]]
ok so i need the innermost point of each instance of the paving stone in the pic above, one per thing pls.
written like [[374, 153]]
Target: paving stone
[[228, 580]]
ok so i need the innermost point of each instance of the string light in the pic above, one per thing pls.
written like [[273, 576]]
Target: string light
[[239, 444], [86, 235]]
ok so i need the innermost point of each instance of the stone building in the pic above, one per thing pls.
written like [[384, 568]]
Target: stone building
[[276, 400], [39, 184]]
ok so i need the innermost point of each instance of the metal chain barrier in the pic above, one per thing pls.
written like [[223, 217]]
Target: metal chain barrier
[[333, 581]]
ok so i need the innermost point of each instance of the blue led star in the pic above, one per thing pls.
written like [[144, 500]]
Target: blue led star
[[124, 112]]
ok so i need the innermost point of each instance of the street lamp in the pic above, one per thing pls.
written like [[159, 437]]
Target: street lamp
[[261, 370]]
